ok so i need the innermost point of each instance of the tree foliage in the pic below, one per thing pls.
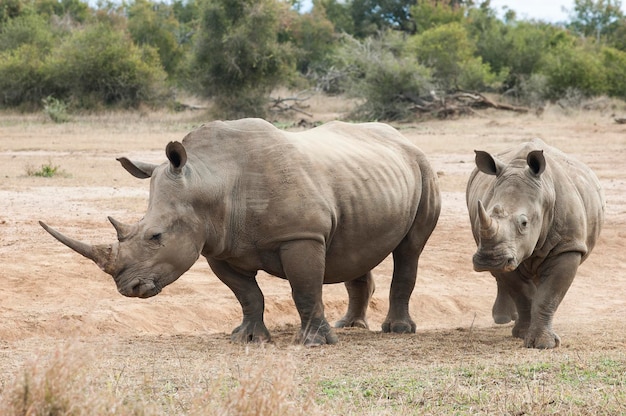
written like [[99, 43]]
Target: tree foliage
[[595, 18], [237, 58], [381, 72], [154, 24], [236, 51]]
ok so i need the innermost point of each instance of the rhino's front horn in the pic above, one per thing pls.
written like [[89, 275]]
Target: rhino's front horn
[[488, 227], [102, 255]]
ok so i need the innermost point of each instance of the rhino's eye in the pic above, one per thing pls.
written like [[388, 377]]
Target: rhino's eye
[[523, 222], [156, 237]]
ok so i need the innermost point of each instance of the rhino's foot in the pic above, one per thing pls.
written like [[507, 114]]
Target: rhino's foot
[[504, 318], [351, 322], [544, 340], [250, 332], [520, 329], [317, 335], [399, 327]]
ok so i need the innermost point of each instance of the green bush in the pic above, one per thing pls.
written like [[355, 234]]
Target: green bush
[[430, 14], [47, 170], [10, 9], [156, 27], [22, 76], [449, 51], [27, 29], [98, 65], [55, 109], [312, 34], [384, 76], [237, 55], [614, 64], [577, 67]]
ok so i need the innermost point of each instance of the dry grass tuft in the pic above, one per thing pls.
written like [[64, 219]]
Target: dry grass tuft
[[270, 388], [65, 383], [61, 384]]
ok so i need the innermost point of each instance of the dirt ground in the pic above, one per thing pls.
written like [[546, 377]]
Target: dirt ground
[[49, 294]]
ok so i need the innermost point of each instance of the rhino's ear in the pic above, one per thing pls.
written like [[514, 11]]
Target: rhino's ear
[[536, 162], [487, 163], [177, 156], [139, 170]]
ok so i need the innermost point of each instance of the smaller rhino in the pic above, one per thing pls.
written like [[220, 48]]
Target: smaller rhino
[[536, 214]]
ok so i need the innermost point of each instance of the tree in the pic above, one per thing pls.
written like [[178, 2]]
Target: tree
[[380, 71], [449, 51], [596, 17], [363, 18], [237, 57], [154, 24], [431, 13], [370, 16], [311, 34]]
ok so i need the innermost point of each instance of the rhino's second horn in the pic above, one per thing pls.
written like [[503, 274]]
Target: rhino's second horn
[[102, 255], [122, 229]]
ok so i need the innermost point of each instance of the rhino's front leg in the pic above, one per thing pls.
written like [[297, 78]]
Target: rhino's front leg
[[360, 292], [556, 276], [521, 290], [303, 263], [504, 309], [249, 295]]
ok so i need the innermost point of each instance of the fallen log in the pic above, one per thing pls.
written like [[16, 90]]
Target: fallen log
[[458, 103]]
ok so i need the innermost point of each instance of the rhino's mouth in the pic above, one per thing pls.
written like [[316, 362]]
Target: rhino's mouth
[[141, 288], [484, 263]]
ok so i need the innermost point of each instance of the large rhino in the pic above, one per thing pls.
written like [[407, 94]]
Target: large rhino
[[536, 215], [320, 206]]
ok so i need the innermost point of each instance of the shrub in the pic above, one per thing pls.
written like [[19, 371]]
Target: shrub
[[98, 65], [28, 29], [383, 75], [55, 109], [237, 55], [531, 91], [157, 27], [575, 67], [22, 78], [47, 170], [614, 62], [449, 51]]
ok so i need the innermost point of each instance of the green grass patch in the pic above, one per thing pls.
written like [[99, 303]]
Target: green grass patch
[[46, 170]]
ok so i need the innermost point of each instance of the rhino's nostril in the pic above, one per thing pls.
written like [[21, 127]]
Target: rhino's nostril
[[131, 289], [511, 263]]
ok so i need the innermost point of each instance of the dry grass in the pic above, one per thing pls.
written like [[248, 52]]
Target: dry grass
[[437, 372]]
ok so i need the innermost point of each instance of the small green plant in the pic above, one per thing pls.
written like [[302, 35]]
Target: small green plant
[[55, 109], [47, 170]]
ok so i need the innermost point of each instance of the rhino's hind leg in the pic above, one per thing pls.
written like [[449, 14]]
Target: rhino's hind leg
[[303, 262], [360, 292], [556, 277], [249, 295], [398, 319]]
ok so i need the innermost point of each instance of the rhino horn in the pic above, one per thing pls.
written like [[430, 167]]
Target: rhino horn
[[102, 255], [488, 227], [123, 230]]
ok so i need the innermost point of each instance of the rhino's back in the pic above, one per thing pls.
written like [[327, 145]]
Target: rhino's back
[[348, 185]]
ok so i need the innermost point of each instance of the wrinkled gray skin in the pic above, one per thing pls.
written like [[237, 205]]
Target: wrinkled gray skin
[[536, 215], [320, 206]]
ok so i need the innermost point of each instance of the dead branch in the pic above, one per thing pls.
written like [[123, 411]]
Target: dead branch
[[458, 103], [281, 105]]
